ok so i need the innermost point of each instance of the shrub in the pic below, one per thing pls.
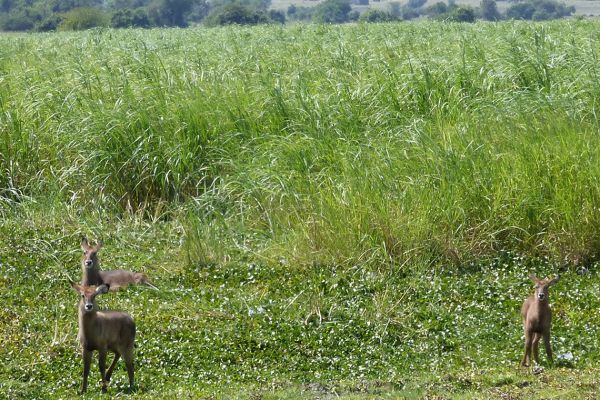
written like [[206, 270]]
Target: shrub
[[300, 13], [410, 13], [170, 12], [539, 10], [199, 11], [458, 14], [17, 21], [436, 9], [375, 15], [520, 11], [82, 18], [277, 16], [416, 3], [128, 18], [489, 10], [332, 11], [61, 6], [236, 14], [541, 15], [50, 23], [395, 8]]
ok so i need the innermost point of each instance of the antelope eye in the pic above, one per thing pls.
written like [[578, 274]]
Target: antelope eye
[[537, 286]]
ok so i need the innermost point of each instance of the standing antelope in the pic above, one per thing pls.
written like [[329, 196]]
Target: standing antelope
[[537, 318], [92, 275], [103, 331]]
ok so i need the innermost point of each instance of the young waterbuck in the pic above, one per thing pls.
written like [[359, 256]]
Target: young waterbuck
[[104, 331], [537, 318], [92, 275]]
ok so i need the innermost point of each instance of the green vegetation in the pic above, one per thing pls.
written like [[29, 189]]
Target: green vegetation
[[458, 14], [65, 15], [375, 15], [46, 15], [539, 10], [82, 18], [489, 11], [328, 210], [332, 12], [236, 13]]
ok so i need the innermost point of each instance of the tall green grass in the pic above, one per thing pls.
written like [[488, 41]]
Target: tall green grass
[[303, 196], [337, 145]]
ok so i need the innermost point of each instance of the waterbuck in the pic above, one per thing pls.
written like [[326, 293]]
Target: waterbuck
[[92, 275], [537, 318], [104, 331]]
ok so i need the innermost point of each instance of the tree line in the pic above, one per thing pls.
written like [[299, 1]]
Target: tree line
[[444, 11], [52, 15]]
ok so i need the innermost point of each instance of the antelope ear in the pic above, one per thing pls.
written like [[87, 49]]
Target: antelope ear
[[75, 286], [555, 280], [84, 244], [99, 245], [102, 289], [534, 278]]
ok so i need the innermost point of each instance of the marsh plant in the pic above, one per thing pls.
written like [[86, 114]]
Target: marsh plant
[[326, 209]]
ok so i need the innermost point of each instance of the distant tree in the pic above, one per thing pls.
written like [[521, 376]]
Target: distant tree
[[458, 14], [395, 8], [128, 18], [199, 11], [292, 9], [353, 15], [300, 13], [410, 13], [542, 15], [82, 18], [67, 5], [376, 15], [17, 20], [122, 18], [277, 16], [332, 11], [362, 2], [554, 8], [520, 11], [39, 10], [50, 23], [238, 14], [416, 3], [262, 5], [170, 12], [119, 4], [539, 10], [6, 5], [436, 9], [489, 10]]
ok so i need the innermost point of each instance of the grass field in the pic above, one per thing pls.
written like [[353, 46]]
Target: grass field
[[329, 211]]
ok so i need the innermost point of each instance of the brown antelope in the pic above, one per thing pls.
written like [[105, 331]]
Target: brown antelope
[[537, 318], [104, 331], [92, 275]]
